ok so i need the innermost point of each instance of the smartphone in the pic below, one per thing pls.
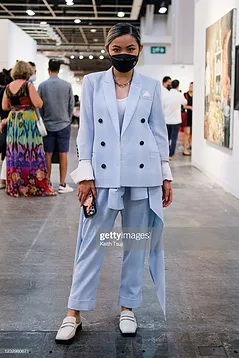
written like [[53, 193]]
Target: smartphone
[[89, 205]]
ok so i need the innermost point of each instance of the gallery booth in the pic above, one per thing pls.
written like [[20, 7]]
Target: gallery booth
[[216, 92]]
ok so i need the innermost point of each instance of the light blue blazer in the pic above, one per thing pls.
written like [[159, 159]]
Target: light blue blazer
[[132, 157]]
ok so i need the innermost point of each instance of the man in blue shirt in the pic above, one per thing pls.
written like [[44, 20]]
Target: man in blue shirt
[[58, 105]]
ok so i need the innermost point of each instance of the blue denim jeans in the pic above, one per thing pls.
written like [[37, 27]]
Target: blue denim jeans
[[173, 130]]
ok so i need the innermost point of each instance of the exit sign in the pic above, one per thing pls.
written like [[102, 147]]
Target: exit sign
[[158, 50]]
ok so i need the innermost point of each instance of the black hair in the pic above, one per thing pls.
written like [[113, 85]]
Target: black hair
[[54, 65], [8, 77], [191, 83], [166, 79], [175, 84], [121, 29], [32, 64], [3, 80]]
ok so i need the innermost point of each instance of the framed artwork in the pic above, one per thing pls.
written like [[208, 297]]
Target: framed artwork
[[236, 93], [219, 80]]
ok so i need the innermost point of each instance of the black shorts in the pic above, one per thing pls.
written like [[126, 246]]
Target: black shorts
[[58, 141]]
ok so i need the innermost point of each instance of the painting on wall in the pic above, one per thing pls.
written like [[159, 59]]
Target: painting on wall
[[219, 78]]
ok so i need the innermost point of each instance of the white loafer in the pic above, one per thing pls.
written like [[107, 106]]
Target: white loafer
[[68, 330], [128, 323]]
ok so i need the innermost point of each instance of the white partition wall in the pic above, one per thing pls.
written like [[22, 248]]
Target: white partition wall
[[168, 52], [15, 45], [219, 163], [42, 68], [183, 73]]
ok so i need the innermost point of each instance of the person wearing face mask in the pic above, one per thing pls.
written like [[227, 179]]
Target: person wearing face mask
[[124, 163], [166, 83], [34, 75]]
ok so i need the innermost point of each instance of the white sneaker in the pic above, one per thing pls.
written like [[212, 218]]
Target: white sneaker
[[65, 189], [68, 330], [128, 324]]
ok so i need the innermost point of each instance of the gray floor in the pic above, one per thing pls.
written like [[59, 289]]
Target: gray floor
[[37, 242]]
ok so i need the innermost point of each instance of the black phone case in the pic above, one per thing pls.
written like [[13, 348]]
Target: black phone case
[[93, 210]]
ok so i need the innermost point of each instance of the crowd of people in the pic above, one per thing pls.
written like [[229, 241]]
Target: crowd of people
[[178, 109], [26, 155]]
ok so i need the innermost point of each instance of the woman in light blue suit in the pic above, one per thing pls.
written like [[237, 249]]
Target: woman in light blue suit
[[123, 161]]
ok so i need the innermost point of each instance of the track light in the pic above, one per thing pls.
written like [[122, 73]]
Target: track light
[[69, 2], [91, 57], [163, 9], [101, 57], [81, 57], [30, 12], [72, 57], [121, 14]]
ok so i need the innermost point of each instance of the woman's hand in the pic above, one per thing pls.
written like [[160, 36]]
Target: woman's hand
[[167, 193], [84, 188], [2, 125]]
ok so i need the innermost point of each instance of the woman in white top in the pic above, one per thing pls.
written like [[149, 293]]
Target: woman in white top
[[123, 161]]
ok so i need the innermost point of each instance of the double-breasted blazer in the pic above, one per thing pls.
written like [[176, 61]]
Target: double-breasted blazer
[[131, 157]]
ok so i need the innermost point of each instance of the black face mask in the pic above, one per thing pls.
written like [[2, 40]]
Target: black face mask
[[168, 87], [124, 62]]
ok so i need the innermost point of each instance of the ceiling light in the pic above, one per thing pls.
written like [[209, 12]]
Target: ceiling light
[[163, 10], [43, 23], [93, 30], [81, 57], [96, 40], [77, 80], [101, 57], [102, 51], [121, 14], [91, 57], [72, 57], [77, 21], [69, 2], [30, 12]]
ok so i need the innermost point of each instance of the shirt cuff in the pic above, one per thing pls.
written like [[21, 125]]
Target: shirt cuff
[[83, 172], [166, 171]]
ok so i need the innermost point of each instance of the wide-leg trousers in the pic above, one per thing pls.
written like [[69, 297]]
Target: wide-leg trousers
[[137, 215]]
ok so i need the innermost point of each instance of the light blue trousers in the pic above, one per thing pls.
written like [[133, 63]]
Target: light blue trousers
[[89, 255]]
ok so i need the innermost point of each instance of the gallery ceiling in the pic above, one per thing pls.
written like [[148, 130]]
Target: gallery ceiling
[[75, 30]]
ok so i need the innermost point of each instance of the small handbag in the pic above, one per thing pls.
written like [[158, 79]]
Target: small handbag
[[40, 124], [2, 142]]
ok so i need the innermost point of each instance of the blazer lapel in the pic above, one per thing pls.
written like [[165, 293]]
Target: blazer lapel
[[110, 99], [133, 98]]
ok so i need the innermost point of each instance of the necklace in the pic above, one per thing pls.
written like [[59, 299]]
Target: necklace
[[124, 85]]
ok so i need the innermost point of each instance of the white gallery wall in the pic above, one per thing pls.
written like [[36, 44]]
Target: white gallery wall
[[15, 45], [183, 73], [221, 164], [160, 35], [42, 68]]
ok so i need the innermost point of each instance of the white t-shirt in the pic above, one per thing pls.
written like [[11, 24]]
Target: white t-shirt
[[164, 92], [121, 103], [172, 103]]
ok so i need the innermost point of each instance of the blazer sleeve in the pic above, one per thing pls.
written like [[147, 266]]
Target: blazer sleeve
[[158, 126], [85, 136]]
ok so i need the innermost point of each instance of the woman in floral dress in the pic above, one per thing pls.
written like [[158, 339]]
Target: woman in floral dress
[[25, 159]]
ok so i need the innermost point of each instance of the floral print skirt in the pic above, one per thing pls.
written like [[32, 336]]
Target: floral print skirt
[[25, 159]]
